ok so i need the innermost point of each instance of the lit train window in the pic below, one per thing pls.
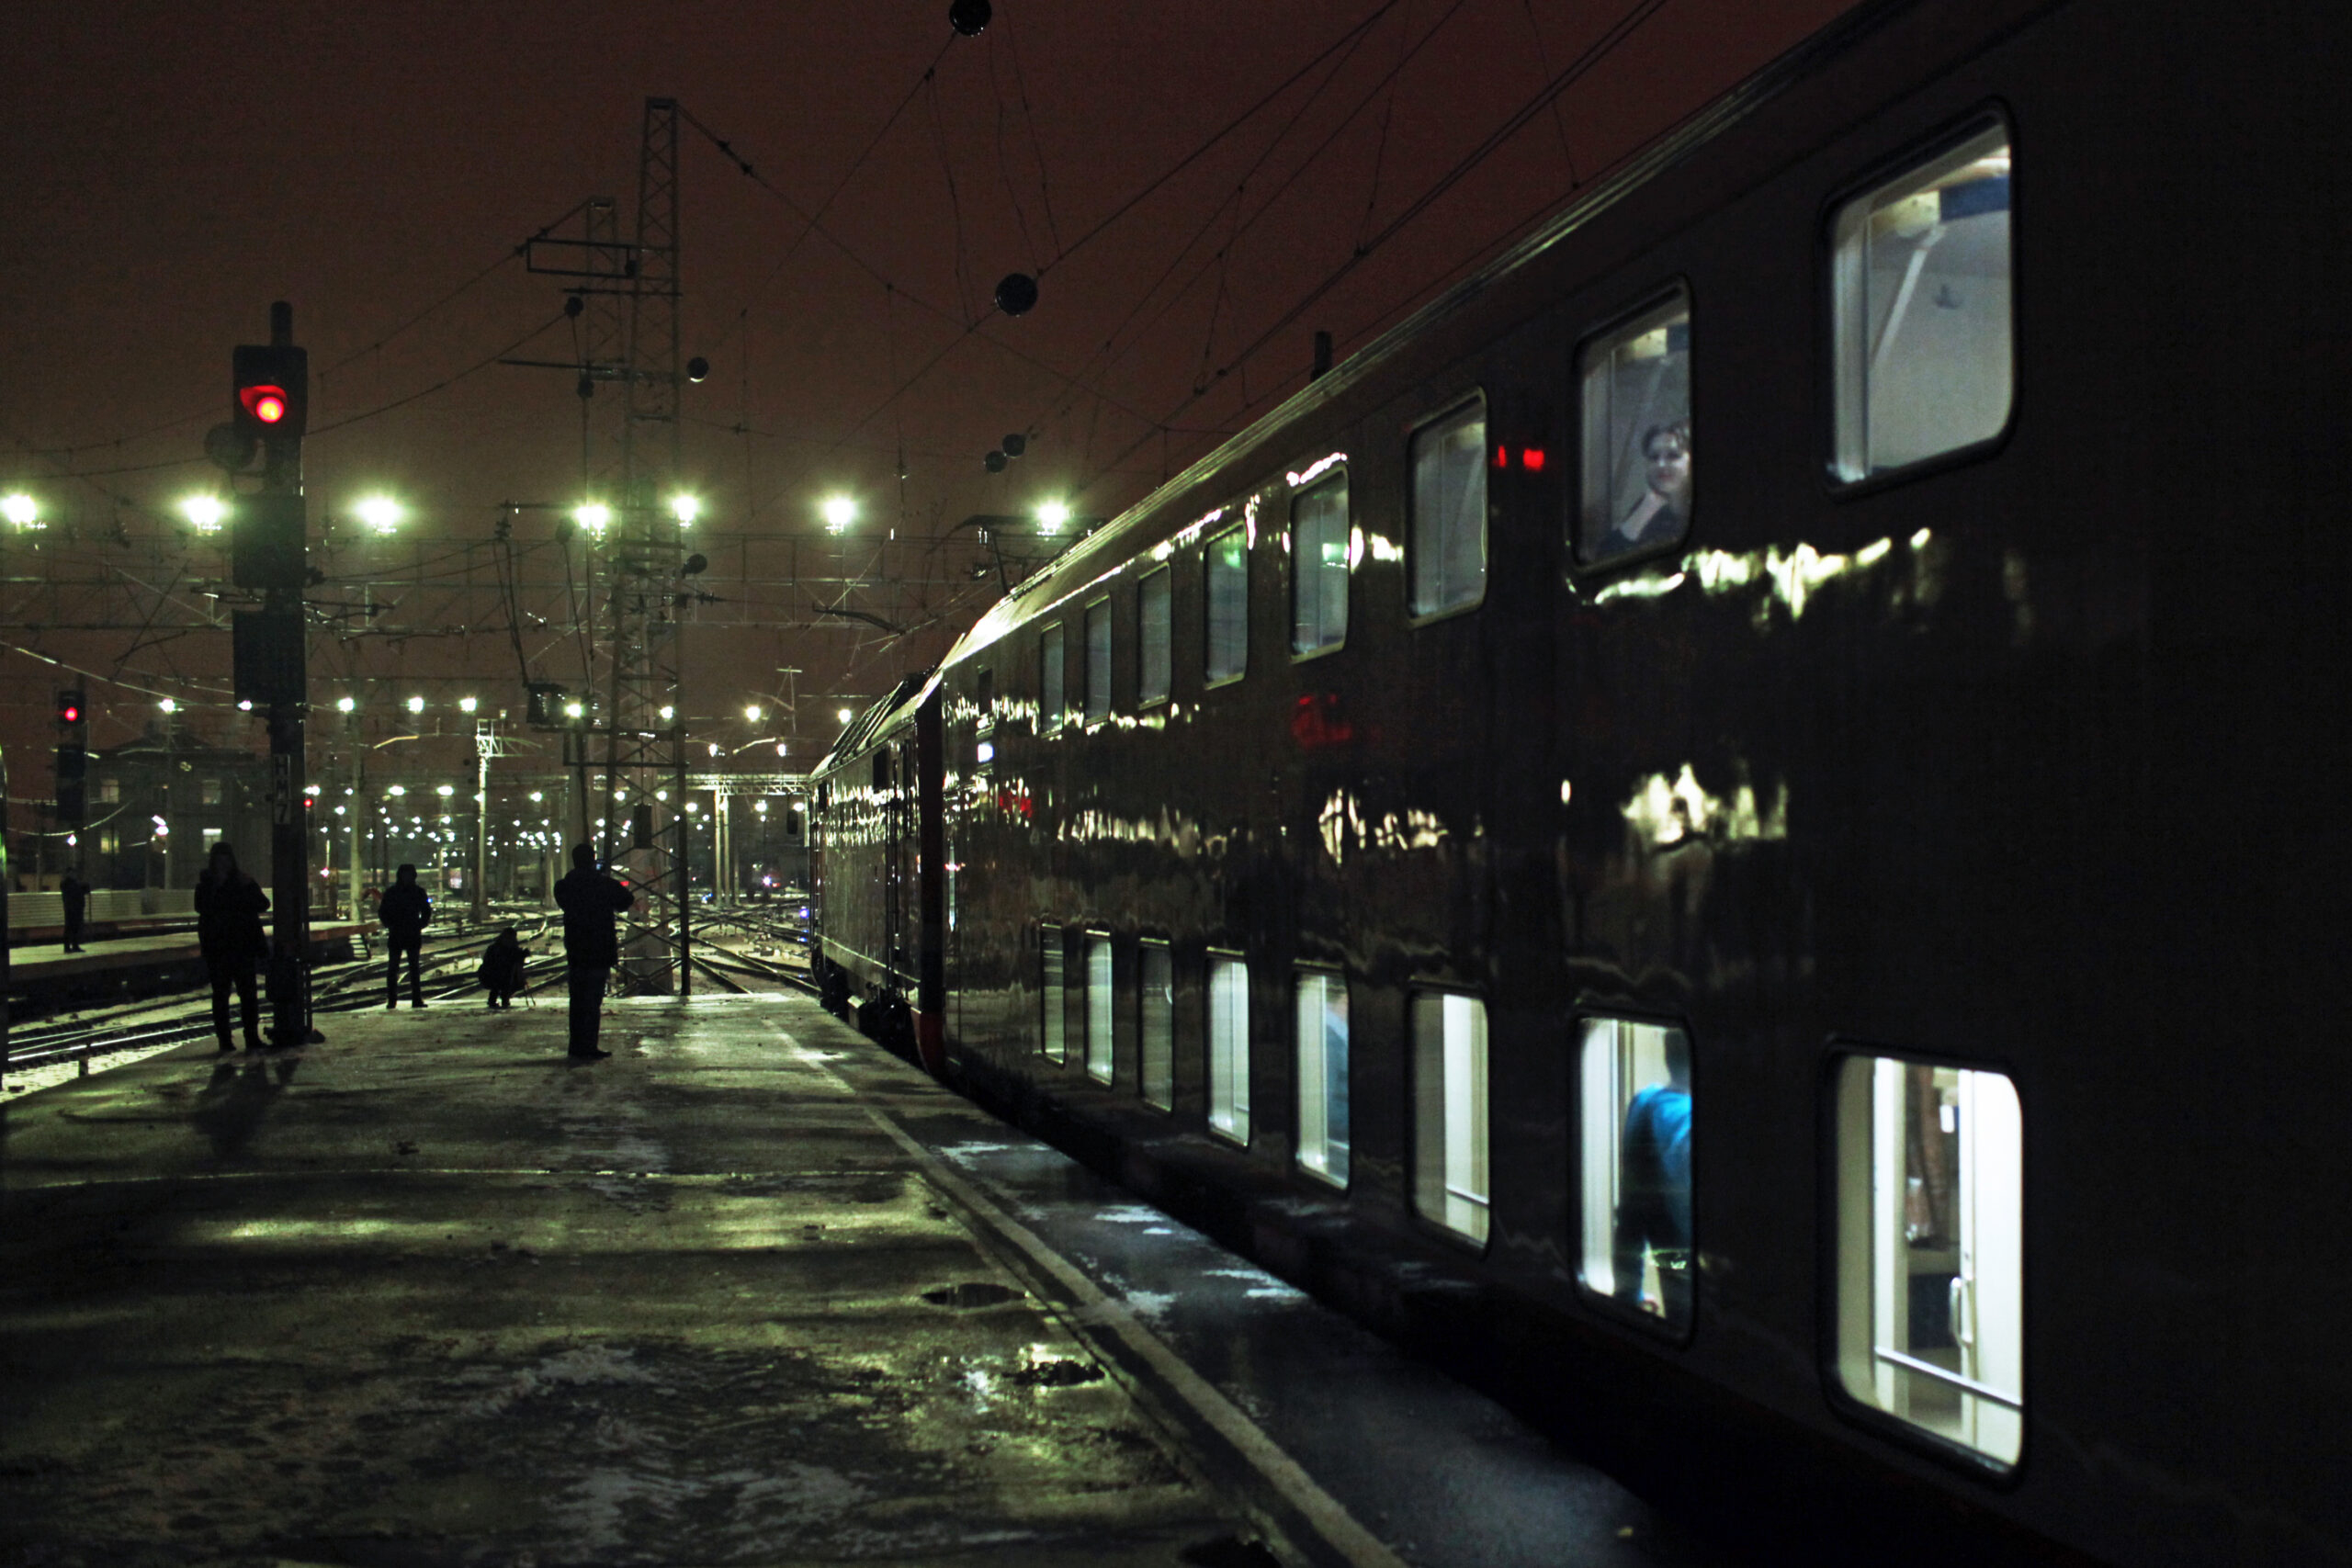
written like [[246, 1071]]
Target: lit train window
[[1450, 1112], [1930, 1250], [1319, 566], [1052, 696], [1919, 309], [1099, 1004], [1634, 388], [1097, 661], [1054, 1037], [1449, 525], [1156, 1022], [1227, 563], [1228, 1029], [1155, 651], [1322, 1020], [1633, 1101]]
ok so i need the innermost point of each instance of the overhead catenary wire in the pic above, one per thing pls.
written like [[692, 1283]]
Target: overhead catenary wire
[[1627, 25]]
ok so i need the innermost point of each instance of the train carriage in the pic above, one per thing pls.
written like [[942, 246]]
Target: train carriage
[[1752, 785]]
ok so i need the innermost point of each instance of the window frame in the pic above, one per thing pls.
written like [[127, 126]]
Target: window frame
[[1907, 1434], [1209, 682], [1436, 1223], [1165, 573], [1337, 974], [1208, 1047], [1336, 474], [1088, 718], [1052, 722], [1106, 1007], [1914, 153], [1656, 1327], [1475, 398], [1679, 285], [1053, 1004]]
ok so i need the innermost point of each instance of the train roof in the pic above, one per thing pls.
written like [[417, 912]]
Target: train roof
[[880, 719], [1161, 513]]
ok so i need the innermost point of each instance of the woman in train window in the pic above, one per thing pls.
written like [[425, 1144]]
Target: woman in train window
[[1664, 511]]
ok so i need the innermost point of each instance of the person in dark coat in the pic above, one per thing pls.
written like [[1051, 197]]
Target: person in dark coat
[[403, 911], [502, 967], [229, 908], [590, 899], [75, 895]]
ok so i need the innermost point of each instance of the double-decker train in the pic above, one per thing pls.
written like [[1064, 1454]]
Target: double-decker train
[[1817, 972]]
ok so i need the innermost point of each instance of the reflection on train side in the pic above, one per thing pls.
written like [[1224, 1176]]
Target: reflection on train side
[[1791, 576]]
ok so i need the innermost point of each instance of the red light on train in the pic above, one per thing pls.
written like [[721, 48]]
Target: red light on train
[[267, 404], [1532, 459], [1502, 457]]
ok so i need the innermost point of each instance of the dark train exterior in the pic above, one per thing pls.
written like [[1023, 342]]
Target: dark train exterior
[[1832, 962]]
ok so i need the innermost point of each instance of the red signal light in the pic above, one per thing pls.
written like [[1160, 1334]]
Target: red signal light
[[267, 404], [1532, 459], [70, 714]]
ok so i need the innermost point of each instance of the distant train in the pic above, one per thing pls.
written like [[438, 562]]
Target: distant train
[[1840, 946]]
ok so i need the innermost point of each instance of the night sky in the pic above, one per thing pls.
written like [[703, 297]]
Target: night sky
[[175, 168]]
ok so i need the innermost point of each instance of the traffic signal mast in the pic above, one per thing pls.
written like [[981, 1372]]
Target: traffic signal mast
[[269, 409]]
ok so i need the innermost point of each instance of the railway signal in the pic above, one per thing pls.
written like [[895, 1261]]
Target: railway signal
[[70, 711], [272, 398]]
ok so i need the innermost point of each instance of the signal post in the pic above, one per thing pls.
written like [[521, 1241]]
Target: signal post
[[267, 550]]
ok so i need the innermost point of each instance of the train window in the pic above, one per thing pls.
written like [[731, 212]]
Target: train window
[[881, 761], [1228, 1027], [1319, 566], [1155, 653], [1322, 1017], [1227, 563], [1054, 1037], [1450, 1112], [1449, 524], [1097, 661], [984, 723], [1098, 1006], [1919, 309], [1930, 1248], [1052, 703], [1633, 1083], [1156, 1022], [1634, 388]]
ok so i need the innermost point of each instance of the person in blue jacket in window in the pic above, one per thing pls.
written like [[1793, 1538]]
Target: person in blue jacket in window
[[1654, 1206]]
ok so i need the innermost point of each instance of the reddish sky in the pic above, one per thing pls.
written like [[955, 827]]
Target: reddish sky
[[173, 168]]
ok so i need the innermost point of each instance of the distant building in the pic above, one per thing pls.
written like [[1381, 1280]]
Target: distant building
[[155, 808]]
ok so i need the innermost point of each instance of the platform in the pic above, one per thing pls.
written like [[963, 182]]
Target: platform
[[749, 1292], [104, 957]]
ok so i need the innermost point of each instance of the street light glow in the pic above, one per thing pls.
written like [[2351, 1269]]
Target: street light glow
[[466, 704], [839, 512], [592, 516], [1052, 515], [752, 712], [169, 705], [346, 704], [573, 710], [845, 716], [206, 511], [447, 790], [381, 513], [684, 508], [21, 509], [416, 705]]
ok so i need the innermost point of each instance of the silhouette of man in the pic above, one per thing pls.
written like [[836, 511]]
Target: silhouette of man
[[403, 910], [590, 901], [75, 895]]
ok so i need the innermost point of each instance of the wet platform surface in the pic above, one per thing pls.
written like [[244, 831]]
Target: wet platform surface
[[750, 1291]]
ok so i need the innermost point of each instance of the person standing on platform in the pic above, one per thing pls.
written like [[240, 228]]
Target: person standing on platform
[[229, 908], [590, 899], [75, 895], [403, 911]]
